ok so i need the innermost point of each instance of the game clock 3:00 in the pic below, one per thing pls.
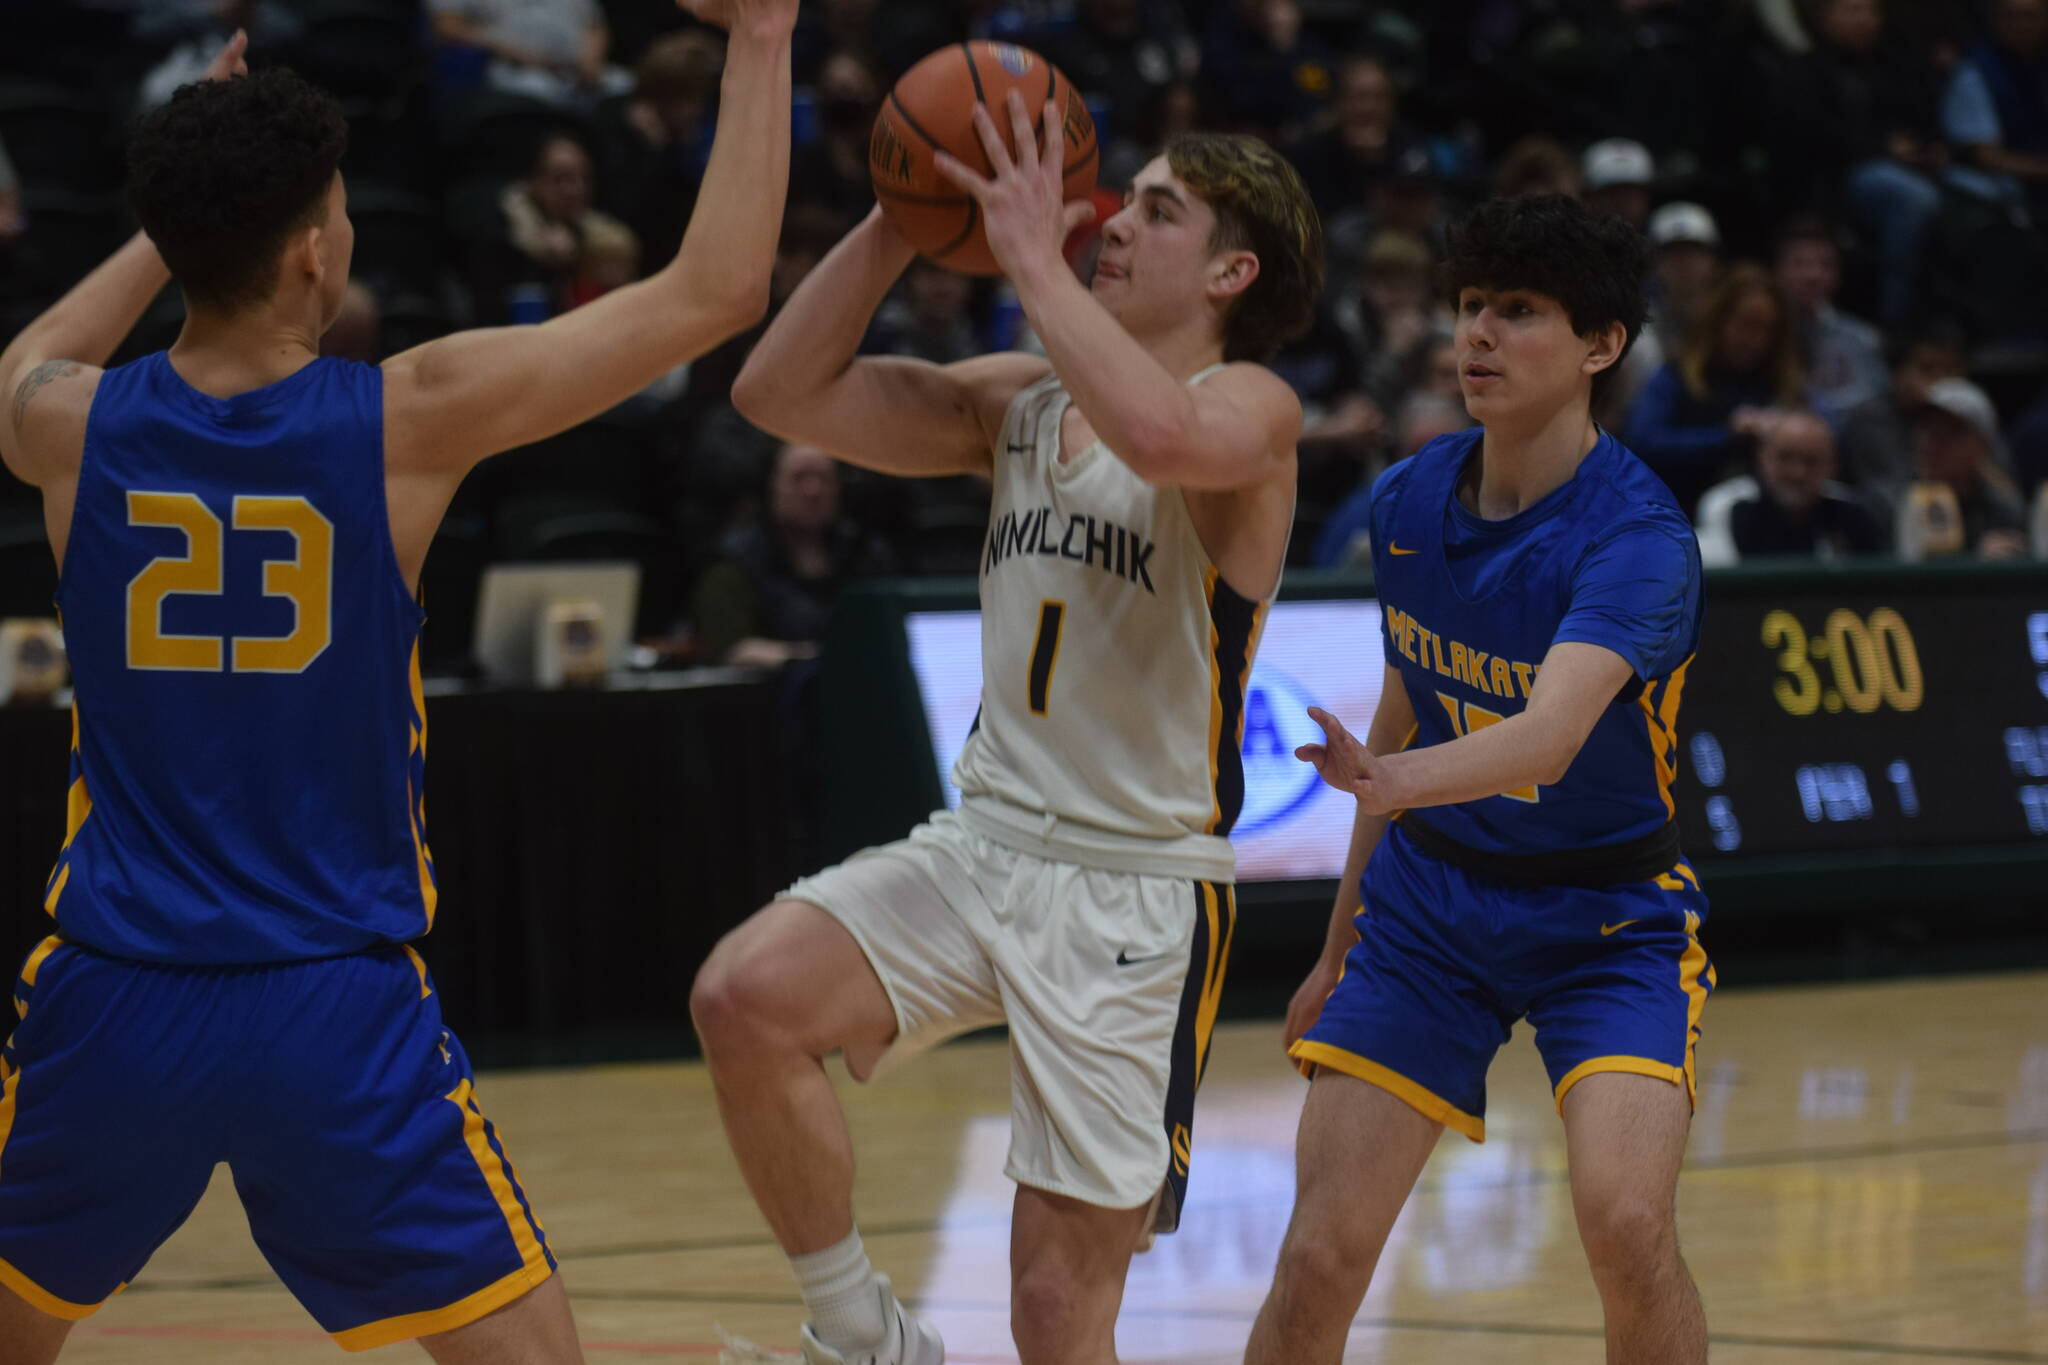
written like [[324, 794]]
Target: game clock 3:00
[[1818, 721]]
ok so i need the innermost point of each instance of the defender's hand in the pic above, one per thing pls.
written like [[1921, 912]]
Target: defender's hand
[[232, 59], [765, 18], [1348, 766], [1307, 1005], [1023, 205]]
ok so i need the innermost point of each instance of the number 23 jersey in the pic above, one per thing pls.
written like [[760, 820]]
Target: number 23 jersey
[[1114, 663], [248, 733]]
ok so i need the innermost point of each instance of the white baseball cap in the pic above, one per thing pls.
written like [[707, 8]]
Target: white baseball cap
[[1618, 161], [1684, 221], [1962, 399]]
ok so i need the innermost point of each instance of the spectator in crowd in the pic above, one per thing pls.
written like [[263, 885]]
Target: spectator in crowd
[[1436, 373], [2027, 438], [554, 50], [1344, 540], [1957, 439], [1618, 174], [1119, 52], [12, 223], [1790, 505], [654, 145], [1843, 356], [1860, 111], [1345, 164], [833, 170], [767, 599], [1262, 71], [1995, 112], [929, 319], [1687, 267], [834, 26], [554, 240], [1396, 323], [1739, 359], [1537, 165], [551, 250], [1877, 434]]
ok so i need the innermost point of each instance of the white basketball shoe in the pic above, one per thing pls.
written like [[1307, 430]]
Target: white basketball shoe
[[910, 1340]]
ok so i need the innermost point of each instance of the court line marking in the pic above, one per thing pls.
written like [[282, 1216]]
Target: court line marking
[[658, 1348]]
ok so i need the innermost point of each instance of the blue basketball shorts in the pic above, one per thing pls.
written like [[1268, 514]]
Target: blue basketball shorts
[[346, 1112], [1612, 979]]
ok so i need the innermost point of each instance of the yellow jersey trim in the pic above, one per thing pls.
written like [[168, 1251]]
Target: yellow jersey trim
[[42, 1300], [391, 1331], [1424, 1102], [1632, 1066]]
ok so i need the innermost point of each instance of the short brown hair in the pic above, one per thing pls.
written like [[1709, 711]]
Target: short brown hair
[[1262, 207]]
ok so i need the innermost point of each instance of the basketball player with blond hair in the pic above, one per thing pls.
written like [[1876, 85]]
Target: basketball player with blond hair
[[1143, 476]]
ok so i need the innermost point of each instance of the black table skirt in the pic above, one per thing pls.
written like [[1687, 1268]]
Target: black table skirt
[[591, 846]]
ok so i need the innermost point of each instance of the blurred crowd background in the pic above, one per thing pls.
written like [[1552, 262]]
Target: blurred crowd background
[[1848, 351]]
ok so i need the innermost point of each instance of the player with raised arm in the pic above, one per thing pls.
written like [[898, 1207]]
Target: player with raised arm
[[240, 526], [1514, 853], [1143, 494]]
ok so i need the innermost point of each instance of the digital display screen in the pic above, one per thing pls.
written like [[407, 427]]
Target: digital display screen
[[1323, 653], [1897, 712], [1824, 721]]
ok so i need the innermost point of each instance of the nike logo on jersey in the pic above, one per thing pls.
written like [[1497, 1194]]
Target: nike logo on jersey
[[1124, 958], [1084, 539], [1394, 549], [1607, 929]]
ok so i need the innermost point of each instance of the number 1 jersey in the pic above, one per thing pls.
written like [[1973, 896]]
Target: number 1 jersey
[[1114, 664], [248, 734]]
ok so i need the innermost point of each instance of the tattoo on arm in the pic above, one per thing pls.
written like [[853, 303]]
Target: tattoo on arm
[[46, 373]]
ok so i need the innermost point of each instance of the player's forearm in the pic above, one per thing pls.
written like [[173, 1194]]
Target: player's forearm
[[87, 324], [816, 336], [1138, 409], [728, 251], [1522, 751]]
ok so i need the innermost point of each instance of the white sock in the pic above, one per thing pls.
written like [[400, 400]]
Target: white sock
[[838, 1285]]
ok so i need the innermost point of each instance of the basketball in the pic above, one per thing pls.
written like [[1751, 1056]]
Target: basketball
[[932, 110]]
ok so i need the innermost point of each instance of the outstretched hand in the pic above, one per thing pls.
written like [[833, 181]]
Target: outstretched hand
[[232, 59], [1346, 764], [1023, 203]]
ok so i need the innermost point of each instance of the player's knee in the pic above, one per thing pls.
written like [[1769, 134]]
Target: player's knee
[[731, 1000], [1048, 1309], [1628, 1236], [1326, 1265]]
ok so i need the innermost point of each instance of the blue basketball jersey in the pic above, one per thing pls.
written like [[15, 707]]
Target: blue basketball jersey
[[1471, 606], [248, 736]]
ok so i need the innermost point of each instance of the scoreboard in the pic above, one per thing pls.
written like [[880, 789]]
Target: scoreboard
[[1834, 711]]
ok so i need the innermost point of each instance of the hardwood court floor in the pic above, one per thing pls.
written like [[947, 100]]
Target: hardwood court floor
[[1868, 1181]]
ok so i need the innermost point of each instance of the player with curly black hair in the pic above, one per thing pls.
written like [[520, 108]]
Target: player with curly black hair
[[241, 525], [1514, 853]]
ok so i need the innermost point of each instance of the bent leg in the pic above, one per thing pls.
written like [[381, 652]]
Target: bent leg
[[28, 1336], [534, 1329], [1625, 1135], [1357, 1156], [777, 996], [1067, 1266]]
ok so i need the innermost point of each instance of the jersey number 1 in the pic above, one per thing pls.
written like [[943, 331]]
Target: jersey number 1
[[1045, 652], [1475, 718], [306, 581]]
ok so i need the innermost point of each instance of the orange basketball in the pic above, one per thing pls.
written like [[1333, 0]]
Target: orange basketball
[[932, 109]]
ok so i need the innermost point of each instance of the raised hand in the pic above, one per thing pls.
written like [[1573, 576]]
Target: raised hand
[[1346, 764], [761, 17], [1023, 204], [232, 59]]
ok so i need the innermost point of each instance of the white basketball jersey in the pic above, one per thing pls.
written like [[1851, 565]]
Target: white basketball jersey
[[1114, 662]]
